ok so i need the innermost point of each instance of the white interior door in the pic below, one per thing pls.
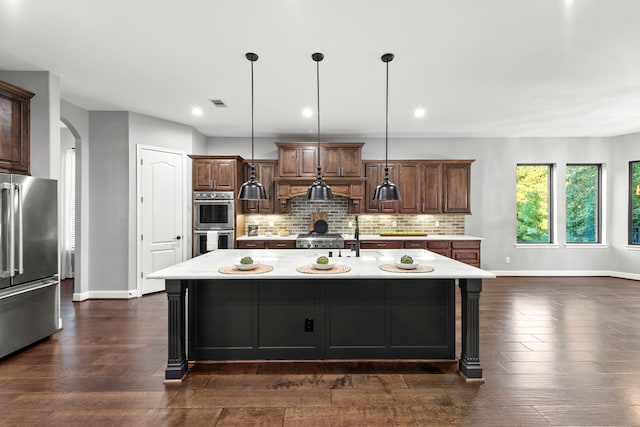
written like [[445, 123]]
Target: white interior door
[[162, 213]]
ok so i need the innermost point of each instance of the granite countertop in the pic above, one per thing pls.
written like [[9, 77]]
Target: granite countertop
[[285, 262], [292, 236]]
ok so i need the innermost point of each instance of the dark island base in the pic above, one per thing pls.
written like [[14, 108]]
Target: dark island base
[[321, 319]]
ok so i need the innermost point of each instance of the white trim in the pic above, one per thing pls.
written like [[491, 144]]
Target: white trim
[[105, 295], [186, 223], [586, 245], [537, 246], [568, 273], [632, 247]]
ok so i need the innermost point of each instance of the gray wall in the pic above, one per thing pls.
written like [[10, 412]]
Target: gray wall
[[493, 193], [109, 208]]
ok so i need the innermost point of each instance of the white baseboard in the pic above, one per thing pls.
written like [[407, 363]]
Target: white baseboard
[[105, 295], [567, 273]]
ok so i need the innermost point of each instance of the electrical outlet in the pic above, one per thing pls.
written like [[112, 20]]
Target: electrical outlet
[[394, 224], [270, 223], [308, 325], [507, 260], [437, 223], [350, 225]]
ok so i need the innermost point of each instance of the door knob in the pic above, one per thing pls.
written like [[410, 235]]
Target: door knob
[[178, 237]]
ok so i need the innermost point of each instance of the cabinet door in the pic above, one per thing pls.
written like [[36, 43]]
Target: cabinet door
[[265, 172], [287, 161], [351, 161], [375, 175], [307, 161], [456, 188], [467, 251], [203, 174], [224, 175], [431, 181], [409, 186], [442, 247], [330, 161], [341, 161]]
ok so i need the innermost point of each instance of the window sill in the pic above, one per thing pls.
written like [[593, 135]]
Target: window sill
[[537, 246], [586, 245], [633, 247]]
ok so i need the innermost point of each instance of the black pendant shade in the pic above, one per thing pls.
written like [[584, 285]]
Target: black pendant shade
[[252, 189], [319, 190], [387, 191]]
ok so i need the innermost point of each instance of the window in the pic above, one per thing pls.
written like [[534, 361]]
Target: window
[[533, 203], [583, 203], [634, 203]]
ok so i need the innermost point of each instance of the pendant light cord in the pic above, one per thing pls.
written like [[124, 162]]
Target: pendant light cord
[[318, 98], [252, 155], [386, 127]]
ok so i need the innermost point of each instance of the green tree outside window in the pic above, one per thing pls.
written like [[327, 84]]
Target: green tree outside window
[[583, 203], [634, 203], [533, 203]]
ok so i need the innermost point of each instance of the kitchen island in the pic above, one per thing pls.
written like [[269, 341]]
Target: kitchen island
[[363, 308]]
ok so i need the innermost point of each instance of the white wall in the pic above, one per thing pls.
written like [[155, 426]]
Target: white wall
[[493, 201]]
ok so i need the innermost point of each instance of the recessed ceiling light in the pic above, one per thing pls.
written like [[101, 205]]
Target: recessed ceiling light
[[420, 112], [196, 111], [307, 112]]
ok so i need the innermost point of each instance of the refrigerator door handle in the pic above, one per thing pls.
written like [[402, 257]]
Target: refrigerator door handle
[[20, 230], [5, 247]]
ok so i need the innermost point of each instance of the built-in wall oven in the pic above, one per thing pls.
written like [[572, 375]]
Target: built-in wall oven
[[213, 221], [213, 210], [209, 240]]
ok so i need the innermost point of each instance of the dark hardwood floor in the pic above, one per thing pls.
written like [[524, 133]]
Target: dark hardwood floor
[[555, 351]]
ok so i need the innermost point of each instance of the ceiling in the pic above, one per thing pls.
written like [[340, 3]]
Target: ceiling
[[507, 68]]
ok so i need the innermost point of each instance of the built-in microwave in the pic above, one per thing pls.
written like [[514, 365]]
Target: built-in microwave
[[213, 210], [202, 242]]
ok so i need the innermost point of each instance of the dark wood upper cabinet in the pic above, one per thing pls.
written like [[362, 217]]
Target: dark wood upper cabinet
[[409, 184], [456, 188], [216, 173], [14, 128], [341, 161], [374, 174], [426, 186], [431, 188], [265, 174], [297, 161]]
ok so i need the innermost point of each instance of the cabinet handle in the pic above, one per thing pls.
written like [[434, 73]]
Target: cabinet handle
[[381, 245], [251, 245], [215, 184], [280, 245]]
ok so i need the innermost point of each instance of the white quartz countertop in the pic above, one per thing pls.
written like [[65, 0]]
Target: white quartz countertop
[[293, 236], [285, 262]]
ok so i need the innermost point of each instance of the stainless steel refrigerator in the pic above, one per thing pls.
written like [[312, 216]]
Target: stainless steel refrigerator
[[29, 294]]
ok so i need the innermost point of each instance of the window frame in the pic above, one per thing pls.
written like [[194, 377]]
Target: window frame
[[550, 203], [599, 203], [632, 194]]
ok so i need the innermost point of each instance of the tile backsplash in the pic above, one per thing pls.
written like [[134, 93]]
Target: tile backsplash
[[340, 221]]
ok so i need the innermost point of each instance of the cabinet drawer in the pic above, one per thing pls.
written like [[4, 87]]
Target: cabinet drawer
[[280, 244], [251, 244], [438, 244], [415, 244], [465, 244], [443, 252], [377, 244]]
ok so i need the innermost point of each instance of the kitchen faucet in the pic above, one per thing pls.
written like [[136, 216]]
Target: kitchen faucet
[[356, 235]]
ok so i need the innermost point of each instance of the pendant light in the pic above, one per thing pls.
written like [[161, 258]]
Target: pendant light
[[252, 189], [319, 190], [387, 190]]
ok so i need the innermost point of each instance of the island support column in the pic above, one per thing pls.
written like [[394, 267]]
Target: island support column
[[469, 363], [177, 365]]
